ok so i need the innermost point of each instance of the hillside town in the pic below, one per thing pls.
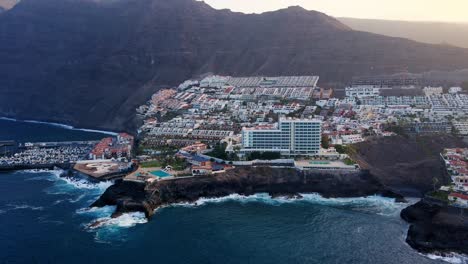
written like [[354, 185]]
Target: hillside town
[[455, 161], [217, 123], [220, 121]]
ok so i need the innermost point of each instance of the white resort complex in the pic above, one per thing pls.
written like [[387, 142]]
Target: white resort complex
[[289, 137]]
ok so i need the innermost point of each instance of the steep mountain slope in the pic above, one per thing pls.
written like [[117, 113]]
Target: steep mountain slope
[[429, 32], [407, 164], [90, 63]]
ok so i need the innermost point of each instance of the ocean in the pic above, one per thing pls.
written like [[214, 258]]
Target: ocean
[[45, 218]]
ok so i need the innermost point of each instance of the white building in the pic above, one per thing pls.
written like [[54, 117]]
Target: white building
[[461, 128], [351, 139], [455, 90], [289, 137], [428, 91], [360, 91]]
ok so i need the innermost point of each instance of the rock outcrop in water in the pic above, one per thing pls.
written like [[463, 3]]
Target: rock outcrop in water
[[131, 196], [436, 228]]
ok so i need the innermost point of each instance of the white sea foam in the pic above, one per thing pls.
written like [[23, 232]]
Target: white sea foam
[[453, 258], [65, 184], [61, 126], [24, 207], [99, 212], [84, 184], [8, 119], [77, 199], [375, 204], [125, 220]]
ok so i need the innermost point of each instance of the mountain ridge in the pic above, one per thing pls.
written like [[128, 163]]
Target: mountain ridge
[[447, 33], [89, 63]]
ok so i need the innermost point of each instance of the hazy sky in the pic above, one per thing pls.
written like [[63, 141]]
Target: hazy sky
[[425, 10]]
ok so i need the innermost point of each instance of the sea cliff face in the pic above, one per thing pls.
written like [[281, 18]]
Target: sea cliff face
[[436, 228], [131, 196]]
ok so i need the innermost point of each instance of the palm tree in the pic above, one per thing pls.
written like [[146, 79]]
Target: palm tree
[[435, 182]]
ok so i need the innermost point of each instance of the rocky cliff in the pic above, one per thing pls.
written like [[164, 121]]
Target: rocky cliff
[[91, 63], [131, 196], [436, 228]]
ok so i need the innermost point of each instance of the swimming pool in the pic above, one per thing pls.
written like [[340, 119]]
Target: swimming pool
[[160, 173]]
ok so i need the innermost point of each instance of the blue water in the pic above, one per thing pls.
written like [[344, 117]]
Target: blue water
[[37, 132], [45, 219]]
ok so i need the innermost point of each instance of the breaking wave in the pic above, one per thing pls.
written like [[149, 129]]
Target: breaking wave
[[64, 126], [453, 258], [373, 204], [74, 189], [12, 207], [102, 217], [69, 185], [125, 220]]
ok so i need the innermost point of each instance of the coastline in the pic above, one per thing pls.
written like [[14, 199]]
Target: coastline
[[61, 125], [130, 196], [436, 227]]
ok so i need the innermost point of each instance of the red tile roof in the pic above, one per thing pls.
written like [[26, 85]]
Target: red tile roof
[[459, 195]]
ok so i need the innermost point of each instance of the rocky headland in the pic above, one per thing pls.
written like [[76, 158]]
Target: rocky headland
[[132, 196], [392, 167], [436, 227]]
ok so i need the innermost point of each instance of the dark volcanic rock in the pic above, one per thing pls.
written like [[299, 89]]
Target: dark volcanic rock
[[90, 63], [406, 164], [436, 228], [129, 196]]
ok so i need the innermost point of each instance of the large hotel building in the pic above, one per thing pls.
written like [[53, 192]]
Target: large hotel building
[[289, 137]]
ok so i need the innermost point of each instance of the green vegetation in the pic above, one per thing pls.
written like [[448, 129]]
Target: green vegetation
[[169, 116], [340, 149], [297, 113], [349, 161], [350, 149], [219, 152], [441, 195], [325, 142], [318, 110], [176, 163], [151, 164], [150, 150], [397, 129], [369, 132], [263, 156]]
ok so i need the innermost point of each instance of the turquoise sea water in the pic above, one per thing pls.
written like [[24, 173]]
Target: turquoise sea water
[[45, 218]]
